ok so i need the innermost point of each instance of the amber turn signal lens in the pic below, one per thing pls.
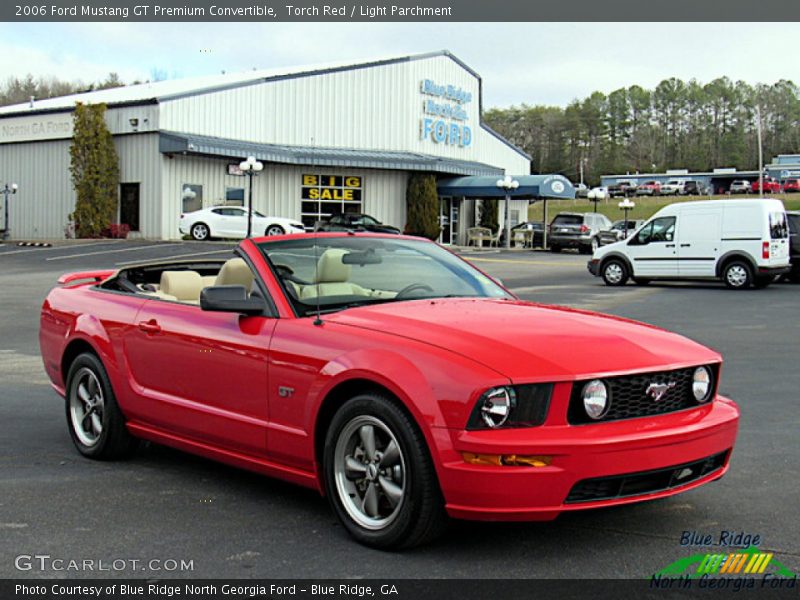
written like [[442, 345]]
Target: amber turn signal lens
[[507, 460]]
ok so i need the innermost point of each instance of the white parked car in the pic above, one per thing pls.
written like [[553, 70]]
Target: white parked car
[[672, 188], [742, 242], [231, 222]]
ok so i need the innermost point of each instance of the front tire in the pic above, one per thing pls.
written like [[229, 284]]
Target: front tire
[[200, 232], [274, 230], [379, 476], [737, 275], [615, 273], [95, 422]]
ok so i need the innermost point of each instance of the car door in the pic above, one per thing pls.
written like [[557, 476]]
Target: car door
[[237, 222], [698, 238], [652, 251], [201, 375], [220, 222]]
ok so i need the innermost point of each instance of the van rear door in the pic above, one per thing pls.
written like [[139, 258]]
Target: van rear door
[[779, 238], [698, 242]]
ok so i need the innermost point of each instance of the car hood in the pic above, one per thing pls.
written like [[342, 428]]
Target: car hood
[[531, 342]]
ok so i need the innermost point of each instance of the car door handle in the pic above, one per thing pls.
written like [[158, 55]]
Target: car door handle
[[685, 245], [670, 245], [150, 326]]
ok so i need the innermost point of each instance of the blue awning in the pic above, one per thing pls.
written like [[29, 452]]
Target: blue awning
[[530, 187]]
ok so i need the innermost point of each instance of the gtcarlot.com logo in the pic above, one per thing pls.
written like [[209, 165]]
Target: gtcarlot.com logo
[[47, 563]]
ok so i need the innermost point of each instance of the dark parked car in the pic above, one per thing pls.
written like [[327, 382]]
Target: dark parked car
[[537, 238], [355, 222], [622, 189], [794, 245], [692, 187], [577, 230], [617, 231]]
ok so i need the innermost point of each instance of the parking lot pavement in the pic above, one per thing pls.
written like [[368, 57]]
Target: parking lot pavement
[[163, 504]]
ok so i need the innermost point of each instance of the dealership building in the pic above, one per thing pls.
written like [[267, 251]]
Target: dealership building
[[342, 137]]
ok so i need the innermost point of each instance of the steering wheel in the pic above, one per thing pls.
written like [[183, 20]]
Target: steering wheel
[[286, 272], [413, 288]]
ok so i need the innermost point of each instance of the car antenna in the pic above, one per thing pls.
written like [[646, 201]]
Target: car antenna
[[317, 320]]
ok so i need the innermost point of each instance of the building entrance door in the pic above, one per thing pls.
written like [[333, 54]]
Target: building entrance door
[[129, 205], [448, 220]]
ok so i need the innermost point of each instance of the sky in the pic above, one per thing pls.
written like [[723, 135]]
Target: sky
[[531, 63]]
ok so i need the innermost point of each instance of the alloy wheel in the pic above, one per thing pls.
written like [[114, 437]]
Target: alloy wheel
[[370, 472], [736, 275], [86, 407]]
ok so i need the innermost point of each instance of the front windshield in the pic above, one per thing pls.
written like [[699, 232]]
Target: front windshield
[[343, 272]]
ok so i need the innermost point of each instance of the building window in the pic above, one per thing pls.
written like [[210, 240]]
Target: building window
[[326, 195], [514, 218], [192, 197], [234, 196]]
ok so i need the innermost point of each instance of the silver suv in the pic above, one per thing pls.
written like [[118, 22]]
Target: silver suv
[[577, 230]]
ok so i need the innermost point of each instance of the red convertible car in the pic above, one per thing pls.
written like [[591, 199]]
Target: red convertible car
[[389, 374]]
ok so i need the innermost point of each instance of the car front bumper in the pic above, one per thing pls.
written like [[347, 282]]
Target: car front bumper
[[647, 450], [593, 266]]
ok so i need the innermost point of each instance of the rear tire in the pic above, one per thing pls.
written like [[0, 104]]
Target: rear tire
[[614, 272], [379, 476], [737, 275], [200, 232], [95, 422]]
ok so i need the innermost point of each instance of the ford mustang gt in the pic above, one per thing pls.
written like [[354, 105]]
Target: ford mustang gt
[[389, 374]]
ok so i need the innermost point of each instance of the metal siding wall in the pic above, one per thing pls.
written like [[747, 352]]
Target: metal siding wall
[[41, 169], [276, 190], [377, 108], [41, 208], [139, 162]]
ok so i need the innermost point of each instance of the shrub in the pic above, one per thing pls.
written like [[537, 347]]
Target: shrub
[[489, 216], [422, 206]]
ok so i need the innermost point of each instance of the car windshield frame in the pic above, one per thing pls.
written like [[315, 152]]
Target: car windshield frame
[[370, 251]]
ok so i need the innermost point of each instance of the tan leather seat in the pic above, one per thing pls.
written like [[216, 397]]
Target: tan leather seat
[[332, 277], [235, 272], [209, 280], [184, 286]]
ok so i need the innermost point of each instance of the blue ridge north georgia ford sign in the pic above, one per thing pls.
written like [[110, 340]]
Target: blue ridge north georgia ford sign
[[444, 114]]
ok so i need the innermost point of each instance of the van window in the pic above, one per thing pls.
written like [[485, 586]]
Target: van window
[[657, 230], [778, 228]]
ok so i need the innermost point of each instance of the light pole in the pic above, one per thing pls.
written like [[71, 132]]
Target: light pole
[[508, 184], [8, 190], [760, 153], [250, 167], [595, 196], [626, 205]]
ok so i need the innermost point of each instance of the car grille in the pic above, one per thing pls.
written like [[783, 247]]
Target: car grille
[[629, 399], [647, 482]]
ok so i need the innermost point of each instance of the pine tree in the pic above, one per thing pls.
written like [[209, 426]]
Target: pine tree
[[94, 166], [422, 203]]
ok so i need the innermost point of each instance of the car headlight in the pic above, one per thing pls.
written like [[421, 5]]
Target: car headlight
[[701, 384], [595, 399], [511, 406]]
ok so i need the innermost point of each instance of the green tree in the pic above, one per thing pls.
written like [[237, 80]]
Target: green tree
[[94, 167], [489, 215], [422, 206]]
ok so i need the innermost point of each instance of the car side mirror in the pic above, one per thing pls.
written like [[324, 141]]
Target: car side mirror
[[231, 298]]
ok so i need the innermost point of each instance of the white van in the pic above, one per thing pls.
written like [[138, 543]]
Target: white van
[[742, 242]]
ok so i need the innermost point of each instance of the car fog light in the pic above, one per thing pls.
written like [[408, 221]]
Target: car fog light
[[496, 406], [701, 384], [595, 399]]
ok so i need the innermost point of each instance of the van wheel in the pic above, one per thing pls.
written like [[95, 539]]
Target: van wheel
[[615, 273], [737, 275]]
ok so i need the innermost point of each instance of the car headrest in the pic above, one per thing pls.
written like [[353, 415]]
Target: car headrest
[[330, 268], [183, 285], [235, 272]]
